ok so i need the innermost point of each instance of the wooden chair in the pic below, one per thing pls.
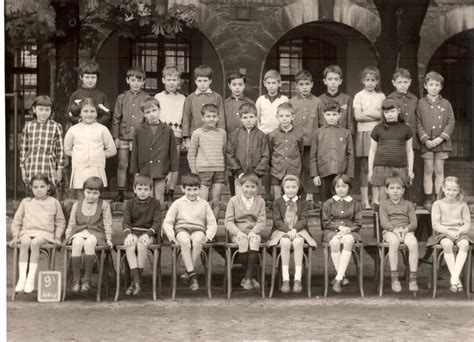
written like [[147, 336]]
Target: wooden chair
[[357, 250], [276, 256], [48, 250], [104, 260], [155, 249], [437, 253], [232, 250]]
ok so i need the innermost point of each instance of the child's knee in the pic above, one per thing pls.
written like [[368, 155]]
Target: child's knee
[[198, 238], [335, 244], [447, 245], [347, 242], [37, 242], [285, 243], [411, 242], [463, 245], [298, 243], [184, 240], [25, 242]]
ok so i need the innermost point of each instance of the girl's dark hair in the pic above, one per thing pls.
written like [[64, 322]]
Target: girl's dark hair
[[43, 100], [93, 183], [88, 101], [388, 104], [42, 177], [344, 178]]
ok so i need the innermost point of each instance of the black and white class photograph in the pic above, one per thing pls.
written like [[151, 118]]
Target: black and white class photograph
[[237, 170]]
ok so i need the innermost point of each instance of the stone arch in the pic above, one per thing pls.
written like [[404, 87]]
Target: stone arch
[[437, 30]]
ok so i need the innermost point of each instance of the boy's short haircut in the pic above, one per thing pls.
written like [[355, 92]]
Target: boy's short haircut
[[136, 71], [395, 178], [332, 106], [249, 177], [236, 76], [247, 108], [93, 183], [203, 71], [149, 102], [345, 179], [170, 70], [335, 69], [401, 72], [286, 105], [209, 107], [290, 178], [272, 74], [89, 67], [142, 179], [433, 75], [303, 75], [190, 179]]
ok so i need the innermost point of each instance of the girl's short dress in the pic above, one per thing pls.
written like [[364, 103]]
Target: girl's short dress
[[329, 234], [278, 234], [436, 238], [79, 176], [381, 173]]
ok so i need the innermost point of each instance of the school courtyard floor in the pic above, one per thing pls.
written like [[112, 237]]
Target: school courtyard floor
[[246, 316]]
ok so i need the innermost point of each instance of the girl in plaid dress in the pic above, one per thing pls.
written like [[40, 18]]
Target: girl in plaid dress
[[42, 150]]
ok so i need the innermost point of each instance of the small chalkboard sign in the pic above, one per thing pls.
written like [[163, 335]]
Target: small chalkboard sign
[[49, 286]]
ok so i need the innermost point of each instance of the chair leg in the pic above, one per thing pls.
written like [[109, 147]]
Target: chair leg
[[52, 263], [154, 266], [117, 279], [209, 274], [173, 271], [326, 275], [66, 268], [160, 284], [361, 272], [435, 271], [274, 266], [101, 274], [309, 272], [15, 270], [228, 254], [467, 275], [264, 252], [382, 269]]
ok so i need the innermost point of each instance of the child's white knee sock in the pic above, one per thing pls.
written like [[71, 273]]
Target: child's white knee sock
[[345, 258], [458, 265], [298, 272], [20, 285], [364, 194], [285, 270], [450, 261], [30, 280], [336, 259]]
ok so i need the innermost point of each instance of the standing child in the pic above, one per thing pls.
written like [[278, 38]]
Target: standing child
[[195, 101], [172, 104], [126, 119], [206, 155], [332, 80], [154, 149], [451, 221], [390, 149], [398, 221], [42, 150], [245, 219], [367, 113], [38, 220], [407, 103], [332, 151], [342, 220], [236, 83], [290, 228], [286, 148], [89, 72], [141, 223], [90, 224], [307, 110], [435, 125], [88, 143], [247, 147], [189, 223]]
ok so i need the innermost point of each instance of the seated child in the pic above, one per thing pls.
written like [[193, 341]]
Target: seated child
[[398, 220], [189, 223], [90, 224], [141, 222], [290, 227], [245, 219], [451, 221], [38, 220], [342, 220]]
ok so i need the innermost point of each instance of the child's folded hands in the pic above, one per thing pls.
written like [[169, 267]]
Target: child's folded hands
[[240, 236], [292, 234]]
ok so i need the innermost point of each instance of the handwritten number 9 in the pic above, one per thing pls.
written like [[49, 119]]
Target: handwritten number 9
[[47, 281]]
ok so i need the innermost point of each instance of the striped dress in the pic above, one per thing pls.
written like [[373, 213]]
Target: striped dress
[[42, 149]]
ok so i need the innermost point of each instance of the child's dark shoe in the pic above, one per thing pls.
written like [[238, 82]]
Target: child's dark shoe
[[85, 287], [412, 284], [297, 288], [285, 287], [255, 284], [129, 290], [184, 278], [194, 286], [337, 286], [137, 289], [248, 285], [75, 288]]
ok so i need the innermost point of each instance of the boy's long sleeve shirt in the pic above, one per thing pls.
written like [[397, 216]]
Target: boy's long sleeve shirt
[[192, 118], [345, 101], [207, 150], [401, 214], [128, 115], [232, 115], [307, 110]]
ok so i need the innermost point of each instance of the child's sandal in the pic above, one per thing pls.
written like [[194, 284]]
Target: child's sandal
[[453, 288], [459, 287], [75, 288], [129, 290]]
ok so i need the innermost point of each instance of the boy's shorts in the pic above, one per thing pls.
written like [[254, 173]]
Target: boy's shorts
[[276, 181], [188, 230], [124, 144], [212, 177], [435, 155]]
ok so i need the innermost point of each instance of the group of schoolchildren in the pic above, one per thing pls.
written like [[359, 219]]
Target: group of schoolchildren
[[283, 144]]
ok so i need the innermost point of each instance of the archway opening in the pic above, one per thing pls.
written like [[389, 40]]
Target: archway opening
[[454, 59], [315, 45]]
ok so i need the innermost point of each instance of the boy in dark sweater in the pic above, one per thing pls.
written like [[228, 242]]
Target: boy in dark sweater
[[141, 223]]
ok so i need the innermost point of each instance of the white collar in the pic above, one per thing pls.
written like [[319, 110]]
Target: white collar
[[294, 199], [245, 199], [208, 91], [187, 199], [348, 198]]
